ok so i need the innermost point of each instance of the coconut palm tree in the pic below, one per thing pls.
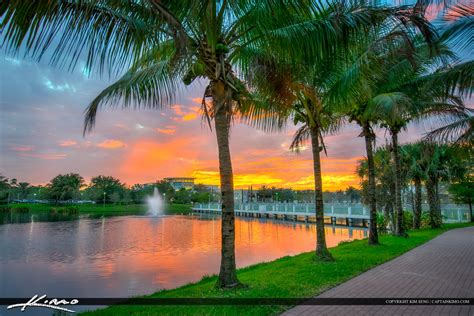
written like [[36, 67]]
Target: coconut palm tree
[[157, 44]]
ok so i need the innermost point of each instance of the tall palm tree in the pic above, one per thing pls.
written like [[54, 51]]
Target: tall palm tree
[[159, 43]]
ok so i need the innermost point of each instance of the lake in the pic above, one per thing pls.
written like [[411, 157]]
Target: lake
[[129, 255]]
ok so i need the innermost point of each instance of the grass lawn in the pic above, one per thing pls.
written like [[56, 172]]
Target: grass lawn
[[108, 209], [298, 276]]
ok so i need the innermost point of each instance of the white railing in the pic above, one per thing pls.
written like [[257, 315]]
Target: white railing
[[450, 212]]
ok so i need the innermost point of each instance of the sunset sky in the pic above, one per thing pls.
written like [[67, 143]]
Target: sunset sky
[[41, 136], [41, 121]]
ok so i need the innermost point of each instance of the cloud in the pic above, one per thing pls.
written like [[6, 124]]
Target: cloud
[[58, 87], [22, 148], [167, 131], [112, 144], [45, 156], [189, 117], [185, 114], [67, 143]]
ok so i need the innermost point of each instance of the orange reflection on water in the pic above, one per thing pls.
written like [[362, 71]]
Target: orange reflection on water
[[123, 256], [171, 251]]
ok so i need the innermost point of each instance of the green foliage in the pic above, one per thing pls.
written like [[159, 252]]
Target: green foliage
[[5, 208], [407, 220], [382, 223], [182, 196], [106, 188], [20, 209], [65, 187], [425, 220], [462, 192]]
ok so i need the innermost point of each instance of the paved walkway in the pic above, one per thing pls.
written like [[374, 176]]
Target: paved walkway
[[441, 268]]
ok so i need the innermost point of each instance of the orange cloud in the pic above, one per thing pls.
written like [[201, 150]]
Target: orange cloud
[[185, 113], [112, 144], [166, 131], [67, 143], [189, 117]]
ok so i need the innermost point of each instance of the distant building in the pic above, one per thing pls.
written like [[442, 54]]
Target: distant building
[[180, 183]]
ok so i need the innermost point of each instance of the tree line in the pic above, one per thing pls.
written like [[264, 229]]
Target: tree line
[[317, 64], [71, 188]]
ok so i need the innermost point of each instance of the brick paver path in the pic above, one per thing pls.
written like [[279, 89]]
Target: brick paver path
[[440, 268]]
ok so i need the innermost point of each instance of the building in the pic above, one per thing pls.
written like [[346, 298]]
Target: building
[[180, 183]]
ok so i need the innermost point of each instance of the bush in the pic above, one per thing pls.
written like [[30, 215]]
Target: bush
[[425, 219], [21, 209], [382, 223], [68, 210], [407, 220], [5, 209], [72, 210]]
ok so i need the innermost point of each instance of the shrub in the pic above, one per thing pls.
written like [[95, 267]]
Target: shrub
[[382, 223], [5, 209], [407, 220], [425, 219], [72, 210], [21, 209]]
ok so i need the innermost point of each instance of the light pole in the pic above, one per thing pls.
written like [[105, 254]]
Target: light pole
[[104, 199]]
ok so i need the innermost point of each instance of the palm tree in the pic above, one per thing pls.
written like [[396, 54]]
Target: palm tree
[[13, 185], [384, 182], [405, 93], [158, 44], [413, 158], [23, 188]]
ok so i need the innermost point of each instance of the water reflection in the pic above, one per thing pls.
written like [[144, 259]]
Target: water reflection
[[124, 256], [17, 217]]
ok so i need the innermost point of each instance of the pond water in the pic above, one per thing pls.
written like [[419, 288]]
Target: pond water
[[129, 255]]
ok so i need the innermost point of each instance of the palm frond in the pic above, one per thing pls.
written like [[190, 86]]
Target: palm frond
[[109, 34], [302, 135], [148, 84], [458, 26], [459, 132]]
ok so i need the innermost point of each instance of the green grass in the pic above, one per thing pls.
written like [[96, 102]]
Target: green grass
[[298, 276], [108, 209]]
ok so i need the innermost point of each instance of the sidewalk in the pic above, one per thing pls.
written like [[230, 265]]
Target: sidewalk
[[441, 268]]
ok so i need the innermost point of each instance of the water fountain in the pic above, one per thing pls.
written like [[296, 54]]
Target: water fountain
[[155, 203]]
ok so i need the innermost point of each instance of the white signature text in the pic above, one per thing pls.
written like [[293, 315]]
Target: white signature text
[[42, 301]]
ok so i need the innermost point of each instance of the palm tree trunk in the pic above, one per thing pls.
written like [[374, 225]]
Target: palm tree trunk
[[322, 251], [399, 227], [417, 208], [470, 210], [369, 138], [227, 275], [433, 201]]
